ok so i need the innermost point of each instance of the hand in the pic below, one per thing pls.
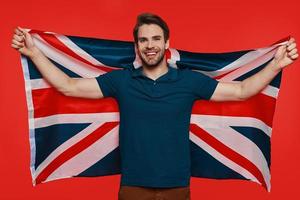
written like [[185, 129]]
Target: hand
[[285, 55], [23, 42]]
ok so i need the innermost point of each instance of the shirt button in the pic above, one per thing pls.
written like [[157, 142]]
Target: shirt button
[[154, 83]]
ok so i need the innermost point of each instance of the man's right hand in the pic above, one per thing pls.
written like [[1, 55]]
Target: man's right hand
[[23, 42]]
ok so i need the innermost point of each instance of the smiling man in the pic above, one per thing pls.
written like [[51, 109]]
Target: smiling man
[[155, 103]]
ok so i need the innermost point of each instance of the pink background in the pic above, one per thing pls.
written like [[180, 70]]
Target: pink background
[[203, 26]]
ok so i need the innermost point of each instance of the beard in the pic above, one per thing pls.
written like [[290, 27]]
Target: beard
[[154, 62]]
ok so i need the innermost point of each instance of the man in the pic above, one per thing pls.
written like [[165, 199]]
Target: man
[[155, 103]]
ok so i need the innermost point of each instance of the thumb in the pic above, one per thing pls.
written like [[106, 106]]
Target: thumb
[[282, 48], [280, 51], [27, 37]]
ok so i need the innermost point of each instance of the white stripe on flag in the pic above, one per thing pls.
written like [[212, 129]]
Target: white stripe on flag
[[249, 66], [210, 121], [242, 61], [175, 56], [80, 52], [74, 65], [76, 118], [271, 91], [30, 108], [39, 84]]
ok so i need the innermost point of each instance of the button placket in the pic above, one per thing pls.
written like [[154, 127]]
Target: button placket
[[154, 88]]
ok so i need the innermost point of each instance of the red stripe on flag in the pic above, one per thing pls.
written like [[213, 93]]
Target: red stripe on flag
[[74, 150], [287, 38], [222, 75], [259, 106], [61, 104], [56, 43], [168, 54], [228, 153]]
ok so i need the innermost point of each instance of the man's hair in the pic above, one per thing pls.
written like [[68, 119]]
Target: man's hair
[[149, 18]]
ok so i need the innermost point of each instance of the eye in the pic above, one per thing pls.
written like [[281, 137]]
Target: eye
[[142, 40]]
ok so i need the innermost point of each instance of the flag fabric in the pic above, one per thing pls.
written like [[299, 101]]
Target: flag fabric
[[77, 137]]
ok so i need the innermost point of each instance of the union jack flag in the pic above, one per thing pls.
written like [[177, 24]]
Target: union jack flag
[[76, 137]]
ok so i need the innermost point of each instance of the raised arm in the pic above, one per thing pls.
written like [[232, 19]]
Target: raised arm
[[76, 87], [284, 56]]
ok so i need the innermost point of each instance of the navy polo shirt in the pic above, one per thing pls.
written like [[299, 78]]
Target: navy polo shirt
[[154, 123]]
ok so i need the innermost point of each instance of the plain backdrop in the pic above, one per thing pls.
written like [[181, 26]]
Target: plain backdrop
[[202, 26]]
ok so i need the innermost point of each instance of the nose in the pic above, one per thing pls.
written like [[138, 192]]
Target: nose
[[149, 44]]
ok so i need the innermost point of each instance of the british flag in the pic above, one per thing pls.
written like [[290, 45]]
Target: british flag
[[77, 137]]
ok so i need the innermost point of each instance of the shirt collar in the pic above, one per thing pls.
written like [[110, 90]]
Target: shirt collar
[[170, 75]]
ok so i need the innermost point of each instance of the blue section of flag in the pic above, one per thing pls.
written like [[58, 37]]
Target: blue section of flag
[[35, 74], [207, 61], [257, 136], [109, 52], [47, 139], [108, 165], [204, 165]]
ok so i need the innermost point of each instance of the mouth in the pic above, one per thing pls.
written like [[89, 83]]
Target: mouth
[[150, 54]]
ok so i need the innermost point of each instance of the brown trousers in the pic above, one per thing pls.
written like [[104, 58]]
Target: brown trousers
[[145, 193]]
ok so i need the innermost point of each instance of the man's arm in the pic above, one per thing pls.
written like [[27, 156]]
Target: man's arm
[[79, 87], [249, 87]]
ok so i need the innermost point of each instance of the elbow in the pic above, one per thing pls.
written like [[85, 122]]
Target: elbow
[[67, 93], [242, 93], [242, 98], [67, 89], [245, 93]]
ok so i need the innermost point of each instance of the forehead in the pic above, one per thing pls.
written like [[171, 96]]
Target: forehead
[[149, 30]]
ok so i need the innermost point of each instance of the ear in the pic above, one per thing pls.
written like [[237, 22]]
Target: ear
[[135, 48], [167, 44]]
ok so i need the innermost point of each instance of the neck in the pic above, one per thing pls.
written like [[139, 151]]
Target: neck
[[155, 72]]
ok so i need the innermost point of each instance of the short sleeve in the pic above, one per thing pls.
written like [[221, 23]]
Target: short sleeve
[[203, 85], [110, 83]]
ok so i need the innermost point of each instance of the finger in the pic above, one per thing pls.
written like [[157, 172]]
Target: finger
[[15, 46], [291, 40], [294, 51], [18, 38], [23, 31], [295, 56], [17, 43], [18, 31], [291, 46], [26, 34]]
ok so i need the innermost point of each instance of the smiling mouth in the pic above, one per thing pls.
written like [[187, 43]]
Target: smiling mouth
[[150, 54]]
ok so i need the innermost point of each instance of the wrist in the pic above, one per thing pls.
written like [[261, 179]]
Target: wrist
[[275, 66]]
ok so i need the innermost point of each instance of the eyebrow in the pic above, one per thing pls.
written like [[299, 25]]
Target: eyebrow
[[154, 37], [157, 36]]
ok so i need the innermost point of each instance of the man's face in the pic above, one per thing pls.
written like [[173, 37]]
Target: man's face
[[151, 44]]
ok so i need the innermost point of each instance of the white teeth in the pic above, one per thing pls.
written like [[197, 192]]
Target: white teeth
[[151, 53]]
